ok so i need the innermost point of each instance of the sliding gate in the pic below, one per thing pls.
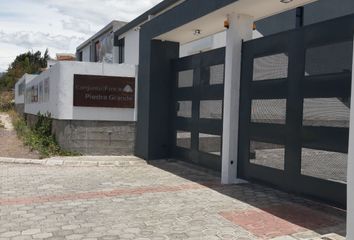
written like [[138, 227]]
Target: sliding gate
[[198, 108], [295, 104]]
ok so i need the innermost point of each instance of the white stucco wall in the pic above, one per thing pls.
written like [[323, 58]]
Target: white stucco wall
[[51, 105], [20, 99], [215, 41], [195, 47], [131, 46], [51, 63], [219, 40], [60, 103]]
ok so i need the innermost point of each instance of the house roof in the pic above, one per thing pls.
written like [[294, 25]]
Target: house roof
[[26, 77], [65, 57], [112, 26]]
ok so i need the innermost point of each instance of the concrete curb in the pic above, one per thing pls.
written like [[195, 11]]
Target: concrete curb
[[85, 161]]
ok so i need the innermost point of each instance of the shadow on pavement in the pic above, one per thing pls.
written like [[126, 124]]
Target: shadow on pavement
[[266, 204]]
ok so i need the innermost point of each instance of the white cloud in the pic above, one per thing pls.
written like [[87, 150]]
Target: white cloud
[[7, 54], [77, 25], [100, 11], [39, 39], [58, 25]]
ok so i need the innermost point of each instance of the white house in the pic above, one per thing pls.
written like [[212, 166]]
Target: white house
[[92, 105], [20, 89], [99, 47]]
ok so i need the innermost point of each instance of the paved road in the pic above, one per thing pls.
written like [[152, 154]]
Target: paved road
[[167, 200]]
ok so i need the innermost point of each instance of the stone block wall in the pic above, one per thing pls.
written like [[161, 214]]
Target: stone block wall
[[20, 108], [93, 137]]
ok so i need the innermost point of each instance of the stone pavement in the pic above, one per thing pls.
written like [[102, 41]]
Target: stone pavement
[[164, 200], [82, 161]]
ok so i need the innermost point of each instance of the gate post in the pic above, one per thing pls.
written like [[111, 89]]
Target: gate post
[[350, 176], [240, 28]]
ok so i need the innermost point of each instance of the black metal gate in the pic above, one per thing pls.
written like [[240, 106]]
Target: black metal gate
[[295, 104], [198, 100]]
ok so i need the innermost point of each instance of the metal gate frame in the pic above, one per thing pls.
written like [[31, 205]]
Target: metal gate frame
[[201, 90], [294, 88]]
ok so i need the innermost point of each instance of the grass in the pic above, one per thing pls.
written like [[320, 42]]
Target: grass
[[39, 137]]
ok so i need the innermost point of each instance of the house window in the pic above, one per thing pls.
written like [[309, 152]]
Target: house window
[[121, 44], [97, 51], [21, 88], [79, 56]]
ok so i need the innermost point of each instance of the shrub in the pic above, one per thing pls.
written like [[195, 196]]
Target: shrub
[[40, 137], [6, 101]]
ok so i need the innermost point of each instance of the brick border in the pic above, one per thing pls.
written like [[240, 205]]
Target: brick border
[[101, 194]]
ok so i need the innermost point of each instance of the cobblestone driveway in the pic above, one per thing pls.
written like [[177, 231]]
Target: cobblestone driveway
[[164, 201]]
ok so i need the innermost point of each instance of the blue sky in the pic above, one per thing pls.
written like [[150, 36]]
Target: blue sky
[[59, 25]]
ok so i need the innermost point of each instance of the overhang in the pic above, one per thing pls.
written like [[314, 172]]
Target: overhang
[[214, 22]]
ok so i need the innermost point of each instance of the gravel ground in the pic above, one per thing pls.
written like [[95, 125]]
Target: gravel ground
[[10, 144]]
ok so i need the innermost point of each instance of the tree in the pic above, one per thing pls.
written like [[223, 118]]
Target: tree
[[29, 62]]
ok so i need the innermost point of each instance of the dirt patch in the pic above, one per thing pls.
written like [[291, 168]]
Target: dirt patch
[[5, 121], [10, 145]]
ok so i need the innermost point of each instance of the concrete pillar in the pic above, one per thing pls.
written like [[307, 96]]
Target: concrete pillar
[[154, 130], [350, 177], [115, 52], [240, 28]]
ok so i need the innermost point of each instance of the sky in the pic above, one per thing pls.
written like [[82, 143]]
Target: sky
[[59, 25]]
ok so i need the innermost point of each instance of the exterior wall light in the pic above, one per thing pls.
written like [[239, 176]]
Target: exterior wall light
[[226, 24], [197, 32], [286, 1]]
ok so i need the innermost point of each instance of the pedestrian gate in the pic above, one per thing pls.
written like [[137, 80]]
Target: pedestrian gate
[[295, 104], [198, 100]]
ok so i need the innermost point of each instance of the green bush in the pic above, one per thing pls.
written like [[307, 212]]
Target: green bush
[[40, 137]]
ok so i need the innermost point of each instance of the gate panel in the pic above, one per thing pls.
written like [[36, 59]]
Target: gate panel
[[294, 119], [198, 98]]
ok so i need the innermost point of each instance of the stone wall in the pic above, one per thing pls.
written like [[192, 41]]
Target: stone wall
[[93, 137], [20, 108], [30, 119]]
